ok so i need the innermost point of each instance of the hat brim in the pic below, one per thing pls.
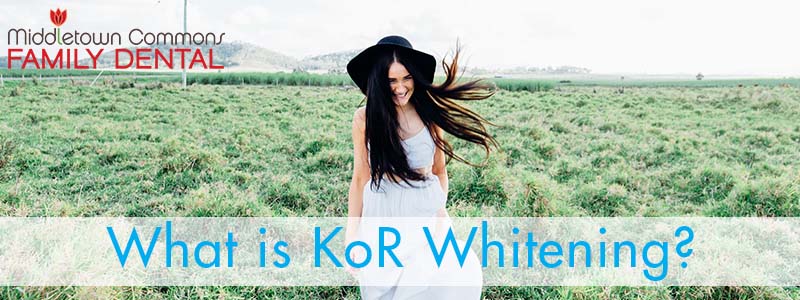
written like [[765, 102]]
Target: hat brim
[[359, 67]]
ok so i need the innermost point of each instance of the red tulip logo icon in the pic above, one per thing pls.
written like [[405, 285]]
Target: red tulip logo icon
[[58, 18]]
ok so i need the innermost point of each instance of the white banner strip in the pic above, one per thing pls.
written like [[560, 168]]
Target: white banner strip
[[400, 252]]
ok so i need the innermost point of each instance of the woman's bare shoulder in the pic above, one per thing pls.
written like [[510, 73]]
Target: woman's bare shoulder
[[437, 129], [360, 117]]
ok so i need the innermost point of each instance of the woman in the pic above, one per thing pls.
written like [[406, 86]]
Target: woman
[[399, 147]]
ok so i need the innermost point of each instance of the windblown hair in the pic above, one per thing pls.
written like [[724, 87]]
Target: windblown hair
[[435, 105]]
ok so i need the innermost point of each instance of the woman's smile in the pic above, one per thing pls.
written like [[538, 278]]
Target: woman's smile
[[401, 97]]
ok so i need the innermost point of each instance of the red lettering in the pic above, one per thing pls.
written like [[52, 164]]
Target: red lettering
[[182, 51], [30, 57], [198, 57], [52, 63], [117, 61], [140, 58], [211, 60], [94, 57], [75, 56], [167, 62], [11, 56]]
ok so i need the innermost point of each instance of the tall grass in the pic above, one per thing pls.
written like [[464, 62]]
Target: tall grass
[[256, 78], [30, 73], [706, 83], [292, 79], [264, 150], [529, 85]]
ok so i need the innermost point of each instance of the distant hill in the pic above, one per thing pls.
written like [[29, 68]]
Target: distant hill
[[247, 56], [4, 63], [332, 62], [522, 71]]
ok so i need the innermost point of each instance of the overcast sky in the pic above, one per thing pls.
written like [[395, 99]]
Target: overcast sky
[[615, 36]]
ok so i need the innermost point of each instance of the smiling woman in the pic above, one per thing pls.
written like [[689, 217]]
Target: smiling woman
[[400, 154]]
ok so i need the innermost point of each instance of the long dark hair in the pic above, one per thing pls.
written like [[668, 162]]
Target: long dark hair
[[435, 105]]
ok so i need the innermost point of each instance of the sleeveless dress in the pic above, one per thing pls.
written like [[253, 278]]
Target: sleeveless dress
[[421, 199]]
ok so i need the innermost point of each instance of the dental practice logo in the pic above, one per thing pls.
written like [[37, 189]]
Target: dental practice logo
[[58, 18], [33, 49]]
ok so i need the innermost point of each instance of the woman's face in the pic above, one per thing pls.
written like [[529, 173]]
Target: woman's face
[[401, 83]]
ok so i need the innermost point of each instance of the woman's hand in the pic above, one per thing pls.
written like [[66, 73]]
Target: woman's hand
[[350, 269], [442, 221], [350, 236]]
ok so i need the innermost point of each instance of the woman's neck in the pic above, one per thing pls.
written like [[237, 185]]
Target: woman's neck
[[405, 108], [402, 115]]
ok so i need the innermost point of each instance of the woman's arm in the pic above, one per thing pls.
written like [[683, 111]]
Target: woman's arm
[[360, 174], [440, 170]]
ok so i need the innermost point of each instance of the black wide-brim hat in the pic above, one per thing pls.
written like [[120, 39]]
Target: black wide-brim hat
[[359, 67]]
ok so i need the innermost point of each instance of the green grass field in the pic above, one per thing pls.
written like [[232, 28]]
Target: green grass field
[[232, 78], [252, 150]]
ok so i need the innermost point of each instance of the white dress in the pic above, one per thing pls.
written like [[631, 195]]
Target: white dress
[[421, 199]]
